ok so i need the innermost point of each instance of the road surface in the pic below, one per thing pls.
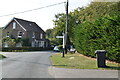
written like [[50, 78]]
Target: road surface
[[38, 65], [26, 65]]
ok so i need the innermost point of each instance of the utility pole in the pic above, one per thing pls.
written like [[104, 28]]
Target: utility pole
[[66, 32], [66, 29]]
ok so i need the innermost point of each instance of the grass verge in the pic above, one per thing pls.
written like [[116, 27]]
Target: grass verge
[[2, 56], [78, 61]]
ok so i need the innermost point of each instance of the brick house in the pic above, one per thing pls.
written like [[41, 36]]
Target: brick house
[[19, 28]]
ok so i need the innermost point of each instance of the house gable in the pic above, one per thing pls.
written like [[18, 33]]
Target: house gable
[[20, 24], [29, 25], [11, 23]]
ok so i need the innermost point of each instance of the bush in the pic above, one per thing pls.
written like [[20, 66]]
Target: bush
[[101, 34], [2, 56], [60, 47], [23, 49]]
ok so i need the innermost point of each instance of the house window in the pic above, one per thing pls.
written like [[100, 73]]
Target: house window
[[41, 44], [41, 36], [19, 34], [33, 35], [33, 43], [5, 45], [14, 25], [8, 34], [30, 25]]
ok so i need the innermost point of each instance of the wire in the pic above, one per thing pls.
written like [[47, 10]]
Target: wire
[[32, 9]]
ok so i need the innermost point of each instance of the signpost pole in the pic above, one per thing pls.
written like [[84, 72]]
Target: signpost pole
[[63, 45], [63, 37]]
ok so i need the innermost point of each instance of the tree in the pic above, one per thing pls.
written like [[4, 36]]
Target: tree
[[49, 33], [25, 42], [9, 41], [100, 31]]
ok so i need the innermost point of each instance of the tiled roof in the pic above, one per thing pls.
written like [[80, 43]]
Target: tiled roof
[[29, 25]]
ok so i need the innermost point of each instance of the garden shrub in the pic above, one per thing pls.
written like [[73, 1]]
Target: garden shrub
[[23, 49]]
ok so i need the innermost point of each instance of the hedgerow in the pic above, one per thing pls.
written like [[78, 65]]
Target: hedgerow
[[101, 34]]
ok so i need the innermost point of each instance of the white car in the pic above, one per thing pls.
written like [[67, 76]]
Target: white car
[[56, 49], [72, 50]]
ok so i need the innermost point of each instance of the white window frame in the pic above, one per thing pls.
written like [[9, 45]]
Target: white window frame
[[33, 43], [41, 35], [30, 25], [8, 34], [42, 43], [14, 25], [33, 35], [20, 36]]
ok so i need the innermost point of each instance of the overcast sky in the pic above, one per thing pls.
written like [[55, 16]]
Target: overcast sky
[[42, 17]]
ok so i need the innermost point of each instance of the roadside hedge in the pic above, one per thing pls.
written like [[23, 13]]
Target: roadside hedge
[[2, 56], [101, 34], [23, 49]]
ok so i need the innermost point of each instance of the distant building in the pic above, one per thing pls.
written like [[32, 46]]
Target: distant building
[[19, 28]]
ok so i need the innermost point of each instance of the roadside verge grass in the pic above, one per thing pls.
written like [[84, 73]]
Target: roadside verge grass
[[2, 56], [78, 61]]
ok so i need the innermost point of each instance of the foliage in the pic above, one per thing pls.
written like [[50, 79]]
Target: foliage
[[51, 37], [49, 33], [2, 56], [80, 15], [103, 33], [59, 29], [1, 38], [23, 49], [99, 32], [11, 42], [60, 47], [94, 27], [25, 42]]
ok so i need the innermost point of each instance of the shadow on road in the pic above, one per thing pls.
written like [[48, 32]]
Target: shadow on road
[[113, 67], [59, 65]]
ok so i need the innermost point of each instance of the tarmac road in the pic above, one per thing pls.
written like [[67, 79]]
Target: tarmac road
[[26, 65], [38, 65]]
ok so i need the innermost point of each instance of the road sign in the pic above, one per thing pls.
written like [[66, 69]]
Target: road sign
[[59, 36], [63, 37]]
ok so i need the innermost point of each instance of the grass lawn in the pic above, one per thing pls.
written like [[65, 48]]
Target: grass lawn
[[78, 61], [1, 56]]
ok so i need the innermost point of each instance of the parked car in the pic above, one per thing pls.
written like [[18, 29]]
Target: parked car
[[72, 50], [56, 49]]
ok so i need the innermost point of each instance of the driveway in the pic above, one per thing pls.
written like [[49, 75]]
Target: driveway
[[38, 65]]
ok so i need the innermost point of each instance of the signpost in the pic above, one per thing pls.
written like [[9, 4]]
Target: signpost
[[63, 37], [59, 36]]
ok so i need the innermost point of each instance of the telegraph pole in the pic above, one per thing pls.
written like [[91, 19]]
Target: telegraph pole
[[66, 32], [66, 29]]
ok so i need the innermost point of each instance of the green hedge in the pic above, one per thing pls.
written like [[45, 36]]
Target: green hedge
[[2, 56], [23, 49], [101, 34], [60, 47]]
